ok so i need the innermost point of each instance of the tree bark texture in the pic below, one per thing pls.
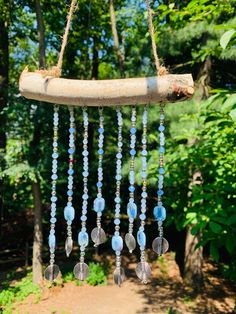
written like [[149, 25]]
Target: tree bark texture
[[41, 35], [38, 236], [168, 88], [38, 231], [4, 71], [119, 54]]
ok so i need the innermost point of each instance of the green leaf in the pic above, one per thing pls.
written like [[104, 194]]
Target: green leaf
[[226, 37], [233, 114], [215, 227], [214, 252], [230, 244], [229, 103]]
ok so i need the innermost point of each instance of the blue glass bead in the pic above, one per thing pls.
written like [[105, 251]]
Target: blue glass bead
[[161, 128], [117, 243], [100, 151], [161, 170], [159, 213], [99, 184], [53, 220], [144, 152], [161, 149], [141, 238], [101, 130], [69, 213], [119, 155], [70, 193], [142, 216], [52, 241], [117, 221], [53, 199], [132, 210], [132, 152], [118, 177], [131, 188], [55, 155], [83, 218], [99, 204], [70, 171], [71, 150], [72, 130], [133, 130], [160, 192], [83, 238], [54, 177], [144, 194], [162, 116]]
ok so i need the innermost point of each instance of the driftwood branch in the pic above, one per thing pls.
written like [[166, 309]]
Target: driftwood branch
[[167, 88]]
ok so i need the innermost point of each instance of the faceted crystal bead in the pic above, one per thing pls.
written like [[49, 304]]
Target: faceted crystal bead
[[98, 236], [99, 204], [130, 242], [83, 238], [141, 238], [51, 272], [119, 276], [81, 271], [52, 241], [143, 272], [132, 210], [69, 213], [68, 246], [117, 243], [160, 245], [159, 213]]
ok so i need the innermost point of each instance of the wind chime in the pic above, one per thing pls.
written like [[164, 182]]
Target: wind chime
[[47, 86]]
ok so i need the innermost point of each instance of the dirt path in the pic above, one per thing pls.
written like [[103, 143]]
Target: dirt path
[[165, 294]]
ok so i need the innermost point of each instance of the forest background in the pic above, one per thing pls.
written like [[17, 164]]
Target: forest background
[[197, 37]]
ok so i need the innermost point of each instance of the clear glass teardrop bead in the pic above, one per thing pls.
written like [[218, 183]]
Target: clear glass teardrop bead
[[81, 271], [119, 276], [130, 242], [143, 272], [68, 246], [98, 236], [160, 245], [51, 272]]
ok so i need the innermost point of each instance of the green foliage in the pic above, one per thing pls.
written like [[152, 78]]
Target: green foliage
[[97, 274], [17, 292], [208, 151]]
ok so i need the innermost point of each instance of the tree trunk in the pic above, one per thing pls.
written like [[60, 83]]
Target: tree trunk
[[95, 62], [119, 54], [38, 236], [193, 260], [38, 231], [4, 69], [41, 35]]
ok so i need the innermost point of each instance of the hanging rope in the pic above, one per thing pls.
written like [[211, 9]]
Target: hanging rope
[[161, 70], [56, 70]]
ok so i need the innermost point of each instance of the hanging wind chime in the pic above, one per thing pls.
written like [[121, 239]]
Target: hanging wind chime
[[47, 86]]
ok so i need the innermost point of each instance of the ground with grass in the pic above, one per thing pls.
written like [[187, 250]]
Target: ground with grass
[[166, 293]]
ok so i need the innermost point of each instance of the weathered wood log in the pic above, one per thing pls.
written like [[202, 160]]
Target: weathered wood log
[[162, 89]]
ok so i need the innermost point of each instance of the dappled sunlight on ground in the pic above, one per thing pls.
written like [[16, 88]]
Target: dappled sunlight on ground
[[165, 294]]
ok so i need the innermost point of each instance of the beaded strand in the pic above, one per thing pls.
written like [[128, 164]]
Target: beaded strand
[[52, 270], [131, 206], [98, 235], [69, 211], [160, 245], [117, 241], [143, 269], [81, 269]]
